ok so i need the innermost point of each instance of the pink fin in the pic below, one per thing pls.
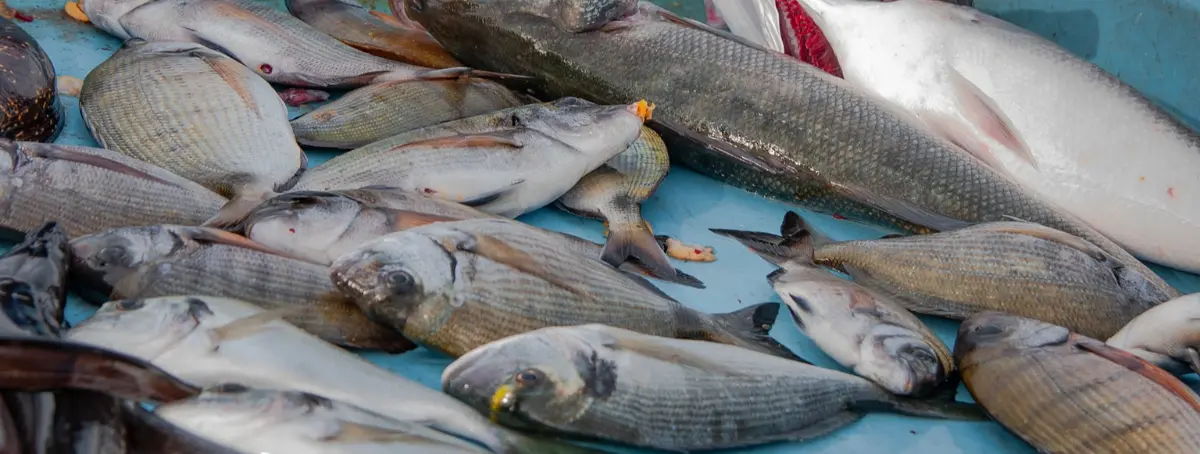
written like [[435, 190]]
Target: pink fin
[[981, 110]]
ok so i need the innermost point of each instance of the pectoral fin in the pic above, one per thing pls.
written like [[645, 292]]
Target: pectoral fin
[[63, 154], [498, 251], [230, 72], [352, 432], [663, 351], [1048, 234], [1142, 367], [901, 208], [983, 113], [209, 235], [243, 327], [504, 139]]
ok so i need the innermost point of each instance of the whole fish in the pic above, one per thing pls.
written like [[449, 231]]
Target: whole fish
[[453, 286], [599, 381], [1066, 393], [750, 116], [293, 422], [210, 341], [859, 328], [1013, 99], [150, 434], [322, 226], [1011, 267], [1167, 335], [271, 43], [537, 157], [382, 110], [373, 32], [195, 112], [140, 262], [88, 190], [614, 192], [29, 106]]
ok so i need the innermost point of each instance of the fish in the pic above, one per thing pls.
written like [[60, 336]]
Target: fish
[[1012, 99], [321, 226], [543, 151], [372, 31], [602, 382], [863, 330], [210, 341], [261, 420], [1066, 393], [33, 283], [160, 260], [87, 190], [453, 286], [33, 364], [752, 117], [382, 110], [1166, 335], [29, 106], [614, 192], [1011, 267], [755, 20], [197, 113], [148, 433]]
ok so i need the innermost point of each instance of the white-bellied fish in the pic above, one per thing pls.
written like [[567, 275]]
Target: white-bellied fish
[[1167, 335]]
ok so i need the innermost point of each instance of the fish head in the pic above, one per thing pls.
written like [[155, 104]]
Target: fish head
[[532, 379], [585, 15], [305, 224], [992, 335], [392, 276], [33, 278], [102, 261], [238, 405], [106, 14], [589, 128], [145, 328]]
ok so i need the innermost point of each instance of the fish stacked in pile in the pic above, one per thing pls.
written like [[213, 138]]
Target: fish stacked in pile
[[232, 277]]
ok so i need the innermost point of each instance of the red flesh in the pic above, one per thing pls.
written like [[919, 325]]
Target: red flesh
[[301, 96], [803, 40], [18, 15]]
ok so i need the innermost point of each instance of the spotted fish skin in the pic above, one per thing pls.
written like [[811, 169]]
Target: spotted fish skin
[[29, 105]]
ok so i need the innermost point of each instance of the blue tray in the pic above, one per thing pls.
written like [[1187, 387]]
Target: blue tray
[[1145, 43]]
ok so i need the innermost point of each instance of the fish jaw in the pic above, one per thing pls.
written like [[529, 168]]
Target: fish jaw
[[393, 276], [988, 336], [146, 329]]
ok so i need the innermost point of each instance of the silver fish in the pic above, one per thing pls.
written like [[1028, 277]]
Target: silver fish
[[195, 112], [210, 341], [598, 381], [1167, 335]]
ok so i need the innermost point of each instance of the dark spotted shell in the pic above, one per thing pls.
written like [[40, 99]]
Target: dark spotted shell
[[29, 107]]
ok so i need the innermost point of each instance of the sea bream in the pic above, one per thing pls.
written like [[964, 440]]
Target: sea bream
[[1055, 123], [750, 116], [373, 31]]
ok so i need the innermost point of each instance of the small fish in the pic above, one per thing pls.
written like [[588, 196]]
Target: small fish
[[527, 164], [210, 341], [1167, 335], [614, 192], [1011, 267], [293, 422], [859, 328], [322, 226], [384, 109], [33, 283], [88, 190], [373, 32], [29, 105], [453, 286], [599, 381], [139, 262], [1065, 393], [195, 112]]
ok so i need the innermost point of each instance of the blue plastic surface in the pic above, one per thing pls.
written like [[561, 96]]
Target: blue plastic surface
[[1143, 41]]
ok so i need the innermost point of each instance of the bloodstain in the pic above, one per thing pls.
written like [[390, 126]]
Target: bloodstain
[[839, 217], [697, 251], [802, 38], [302, 96], [291, 230], [22, 17], [1171, 192], [429, 191], [265, 68]]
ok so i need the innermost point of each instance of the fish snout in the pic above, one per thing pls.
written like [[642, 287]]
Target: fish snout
[[483, 385]]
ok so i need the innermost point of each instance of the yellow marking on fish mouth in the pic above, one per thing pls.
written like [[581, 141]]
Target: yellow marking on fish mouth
[[75, 11], [503, 393], [644, 110]]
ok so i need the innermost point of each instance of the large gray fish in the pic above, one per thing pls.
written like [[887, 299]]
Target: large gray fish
[[209, 341], [598, 381], [294, 422], [453, 286], [1011, 267], [614, 192], [1066, 393], [373, 31], [197, 113], [778, 126], [384, 109], [175, 260], [88, 190], [861, 329], [270, 42], [1167, 335], [543, 151]]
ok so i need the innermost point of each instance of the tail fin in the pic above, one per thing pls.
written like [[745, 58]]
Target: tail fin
[[237, 209], [794, 245], [635, 240], [750, 327]]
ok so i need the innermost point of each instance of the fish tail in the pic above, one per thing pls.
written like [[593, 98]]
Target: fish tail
[[238, 208], [794, 244], [750, 328], [634, 239]]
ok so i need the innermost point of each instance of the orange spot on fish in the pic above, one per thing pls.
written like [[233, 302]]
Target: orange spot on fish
[[1171, 192], [1141, 178], [697, 251]]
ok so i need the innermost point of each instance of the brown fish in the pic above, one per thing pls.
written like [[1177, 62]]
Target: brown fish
[[373, 32]]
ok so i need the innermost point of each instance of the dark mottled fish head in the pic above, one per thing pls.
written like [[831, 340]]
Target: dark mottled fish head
[[305, 224], [393, 275], [532, 379], [585, 15], [107, 261], [589, 128], [145, 328], [33, 279], [106, 14], [991, 335]]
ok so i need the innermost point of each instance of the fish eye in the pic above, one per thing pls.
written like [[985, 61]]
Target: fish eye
[[528, 377], [111, 254], [129, 305], [515, 120], [400, 281]]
